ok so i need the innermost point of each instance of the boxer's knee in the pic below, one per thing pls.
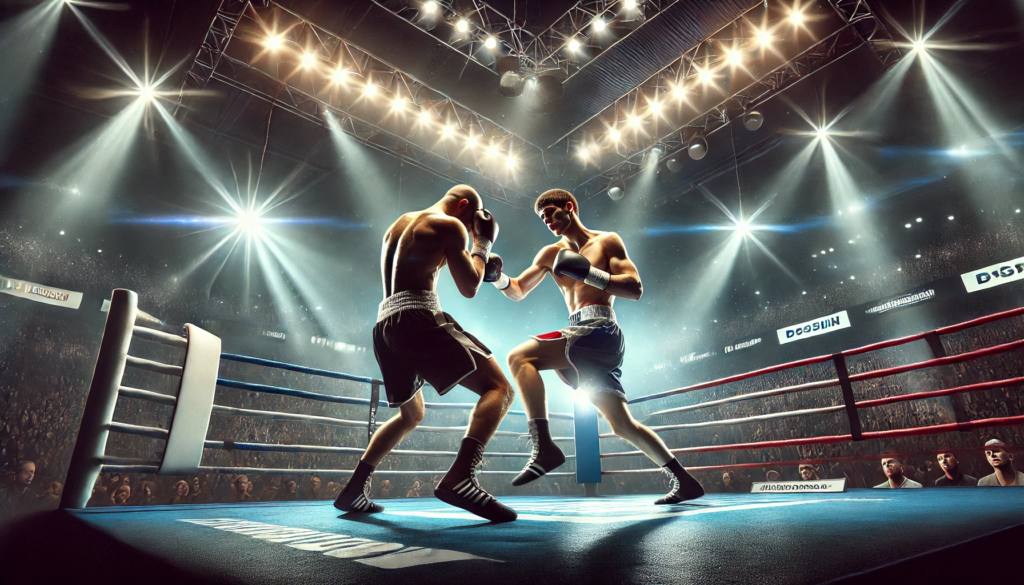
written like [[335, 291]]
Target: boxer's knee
[[519, 358], [412, 413]]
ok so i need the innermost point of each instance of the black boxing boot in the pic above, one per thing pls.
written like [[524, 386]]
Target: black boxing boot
[[460, 488], [684, 486], [546, 455], [356, 495]]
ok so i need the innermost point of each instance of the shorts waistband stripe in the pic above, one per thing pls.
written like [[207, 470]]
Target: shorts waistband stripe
[[406, 300], [592, 312]]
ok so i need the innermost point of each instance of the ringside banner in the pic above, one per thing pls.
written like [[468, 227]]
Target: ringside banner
[[901, 302], [819, 326], [994, 275], [40, 294], [799, 487]]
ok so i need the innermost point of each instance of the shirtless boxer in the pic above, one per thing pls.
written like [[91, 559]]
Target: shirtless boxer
[[414, 341], [591, 268]]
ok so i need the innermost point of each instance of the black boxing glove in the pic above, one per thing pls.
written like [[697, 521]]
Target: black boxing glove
[[573, 265], [485, 231], [493, 274]]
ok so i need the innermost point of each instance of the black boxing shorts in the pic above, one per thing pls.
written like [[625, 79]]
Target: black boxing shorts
[[594, 348], [415, 342]]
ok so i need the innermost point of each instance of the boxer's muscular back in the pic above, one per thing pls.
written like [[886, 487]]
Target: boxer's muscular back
[[413, 252]]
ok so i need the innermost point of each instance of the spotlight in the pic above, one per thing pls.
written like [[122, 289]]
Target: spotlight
[[616, 191], [308, 60], [796, 17], [273, 42], [447, 130], [574, 44], [614, 135], [340, 75], [462, 25], [471, 141], [918, 46], [764, 37], [919, 220], [697, 147], [510, 162], [370, 90], [146, 93], [674, 164], [634, 121], [705, 76], [397, 105], [678, 91], [655, 107], [752, 120], [822, 133], [491, 42], [629, 4], [733, 58], [425, 117], [584, 152], [599, 25], [430, 7], [492, 151], [951, 218]]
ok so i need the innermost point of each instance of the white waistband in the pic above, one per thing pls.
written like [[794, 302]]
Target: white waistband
[[408, 299], [592, 312]]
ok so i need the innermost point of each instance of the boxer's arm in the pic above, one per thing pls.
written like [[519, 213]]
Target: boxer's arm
[[467, 271], [625, 280], [521, 286]]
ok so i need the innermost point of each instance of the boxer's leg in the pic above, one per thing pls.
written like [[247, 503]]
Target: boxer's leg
[[614, 410], [526, 362], [391, 433], [496, 396]]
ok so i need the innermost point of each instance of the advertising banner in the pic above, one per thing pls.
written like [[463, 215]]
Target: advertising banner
[[994, 275], [40, 294], [901, 302], [742, 345], [799, 487], [819, 326]]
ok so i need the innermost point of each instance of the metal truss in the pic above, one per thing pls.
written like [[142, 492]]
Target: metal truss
[[546, 52], [857, 14], [309, 92], [631, 157], [214, 44]]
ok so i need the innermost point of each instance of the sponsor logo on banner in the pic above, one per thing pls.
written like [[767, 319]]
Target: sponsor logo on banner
[[696, 357], [742, 345], [337, 345], [901, 302], [273, 335], [798, 487], [41, 294], [994, 275], [819, 326]]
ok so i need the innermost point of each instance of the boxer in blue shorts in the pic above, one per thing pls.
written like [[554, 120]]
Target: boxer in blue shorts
[[591, 269]]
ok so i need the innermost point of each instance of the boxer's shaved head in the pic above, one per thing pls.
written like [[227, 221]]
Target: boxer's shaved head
[[558, 197], [460, 192]]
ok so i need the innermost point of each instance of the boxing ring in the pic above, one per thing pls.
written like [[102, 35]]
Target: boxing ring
[[583, 539]]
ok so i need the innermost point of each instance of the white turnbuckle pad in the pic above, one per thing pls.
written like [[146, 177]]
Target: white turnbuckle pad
[[191, 417]]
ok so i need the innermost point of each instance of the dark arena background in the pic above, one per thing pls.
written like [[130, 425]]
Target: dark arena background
[[822, 199]]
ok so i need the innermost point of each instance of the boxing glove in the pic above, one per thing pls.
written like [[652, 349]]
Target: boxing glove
[[573, 265]]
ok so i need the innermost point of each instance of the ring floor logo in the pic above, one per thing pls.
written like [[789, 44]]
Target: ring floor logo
[[995, 275], [819, 326]]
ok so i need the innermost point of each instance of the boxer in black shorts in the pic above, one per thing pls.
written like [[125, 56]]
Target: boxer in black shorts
[[591, 269], [415, 342]]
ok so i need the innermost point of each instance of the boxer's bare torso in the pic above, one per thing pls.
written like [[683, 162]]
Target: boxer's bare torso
[[417, 246]]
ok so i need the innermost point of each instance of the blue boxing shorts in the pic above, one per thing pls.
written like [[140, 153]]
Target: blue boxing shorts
[[594, 348]]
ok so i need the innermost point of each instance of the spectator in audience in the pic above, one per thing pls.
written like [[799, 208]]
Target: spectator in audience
[[290, 493], [893, 469], [50, 497], [772, 475], [180, 492], [807, 472], [385, 488], [1001, 461], [414, 489], [953, 476], [120, 495], [18, 496], [240, 490], [312, 491]]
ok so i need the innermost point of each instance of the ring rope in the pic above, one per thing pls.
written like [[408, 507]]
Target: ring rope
[[269, 414], [296, 368], [159, 337], [128, 429], [271, 447], [148, 395], [953, 359], [152, 366], [826, 440], [955, 328], [751, 396], [732, 421], [257, 470]]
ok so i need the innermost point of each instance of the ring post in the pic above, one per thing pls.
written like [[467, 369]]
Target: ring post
[[371, 424], [588, 445], [851, 405], [86, 460], [939, 351]]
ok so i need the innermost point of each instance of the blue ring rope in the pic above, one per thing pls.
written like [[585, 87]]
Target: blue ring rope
[[296, 368]]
